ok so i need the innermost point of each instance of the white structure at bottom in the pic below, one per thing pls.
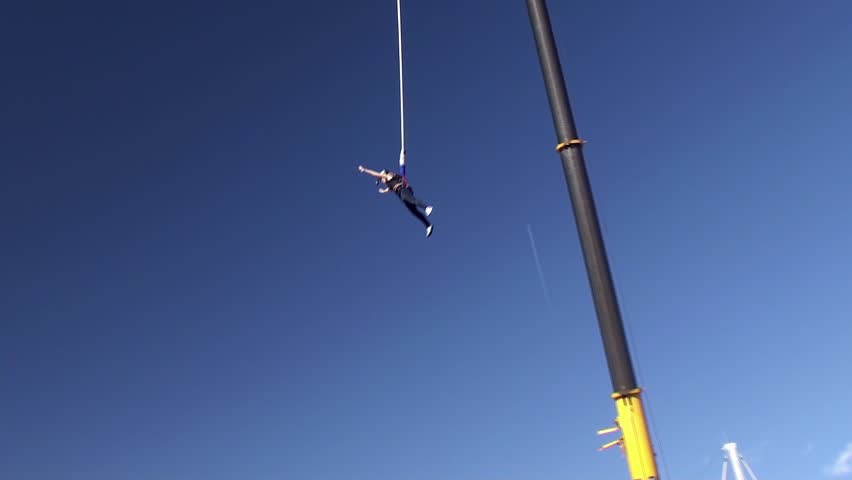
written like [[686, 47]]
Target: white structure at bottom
[[737, 463]]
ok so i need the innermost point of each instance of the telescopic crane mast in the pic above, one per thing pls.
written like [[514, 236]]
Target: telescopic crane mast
[[630, 420]]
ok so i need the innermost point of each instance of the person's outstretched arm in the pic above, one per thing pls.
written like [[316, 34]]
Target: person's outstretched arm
[[372, 173]]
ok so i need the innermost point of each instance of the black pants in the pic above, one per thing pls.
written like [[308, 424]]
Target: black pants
[[406, 194]]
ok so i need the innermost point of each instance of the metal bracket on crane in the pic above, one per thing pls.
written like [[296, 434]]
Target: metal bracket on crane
[[617, 442]]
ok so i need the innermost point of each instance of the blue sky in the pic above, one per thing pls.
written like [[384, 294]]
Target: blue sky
[[198, 284]]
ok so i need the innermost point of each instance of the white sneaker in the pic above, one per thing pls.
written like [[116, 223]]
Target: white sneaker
[[428, 231], [428, 210]]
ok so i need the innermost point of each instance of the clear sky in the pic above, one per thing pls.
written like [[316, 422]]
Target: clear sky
[[197, 283]]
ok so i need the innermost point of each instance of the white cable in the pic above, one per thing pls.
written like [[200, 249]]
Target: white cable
[[401, 96]]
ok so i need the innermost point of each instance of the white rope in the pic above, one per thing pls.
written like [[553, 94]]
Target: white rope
[[401, 96]]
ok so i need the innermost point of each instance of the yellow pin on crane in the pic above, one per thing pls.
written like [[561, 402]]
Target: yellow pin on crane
[[617, 442]]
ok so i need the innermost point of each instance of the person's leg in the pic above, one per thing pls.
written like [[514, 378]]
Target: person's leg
[[417, 213], [408, 197], [412, 203]]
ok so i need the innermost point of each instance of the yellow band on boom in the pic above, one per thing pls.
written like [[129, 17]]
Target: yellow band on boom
[[617, 395], [564, 145]]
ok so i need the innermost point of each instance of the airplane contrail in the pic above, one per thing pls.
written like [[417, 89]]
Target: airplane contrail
[[538, 267]]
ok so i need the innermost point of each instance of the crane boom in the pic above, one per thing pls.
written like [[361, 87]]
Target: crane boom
[[630, 419]]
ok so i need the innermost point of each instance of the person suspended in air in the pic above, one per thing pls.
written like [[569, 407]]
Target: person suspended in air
[[398, 184]]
